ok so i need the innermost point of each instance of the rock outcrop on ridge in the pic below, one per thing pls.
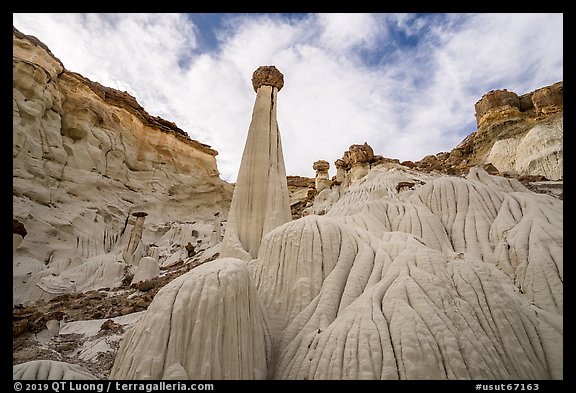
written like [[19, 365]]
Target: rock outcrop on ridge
[[516, 135], [85, 157]]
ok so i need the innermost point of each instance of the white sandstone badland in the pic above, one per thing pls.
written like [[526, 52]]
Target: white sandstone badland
[[540, 151], [42, 370], [86, 157], [451, 278], [206, 324], [460, 278]]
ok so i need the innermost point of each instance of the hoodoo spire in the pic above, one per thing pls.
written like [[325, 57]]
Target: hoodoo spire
[[260, 202]]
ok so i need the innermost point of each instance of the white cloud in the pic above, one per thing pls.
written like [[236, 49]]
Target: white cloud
[[340, 32], [417, 100]]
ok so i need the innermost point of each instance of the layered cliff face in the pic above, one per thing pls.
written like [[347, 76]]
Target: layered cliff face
[[518, 135], [84, 158]]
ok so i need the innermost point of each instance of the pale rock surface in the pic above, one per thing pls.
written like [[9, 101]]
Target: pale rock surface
[[216, 236], [18, 234], [153, 251], [540, 151], [360, 156], [16, 240], [84, 158], [130, 254], [53, 327], [148, 268], [95, 273], [260, 202], [453, 279], [213, 327], [406, 275], [322, 179], [341, 168], [41, 370], [358, 171]]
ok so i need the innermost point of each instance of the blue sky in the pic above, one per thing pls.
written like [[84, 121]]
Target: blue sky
[[404, 83]]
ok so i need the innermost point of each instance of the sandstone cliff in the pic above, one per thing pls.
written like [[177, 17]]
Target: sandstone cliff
[[516, 135], [84, 158]]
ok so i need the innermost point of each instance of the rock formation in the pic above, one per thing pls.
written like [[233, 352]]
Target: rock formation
[[135, 237], [18, 234], [496, 105], [549, 99], [519, 135], [217, 231], [360, 157], [503, 105], [213, 327], [148, 268], [341, 168], [84, 157], [260, 202], [322, 180], [395, 272], [355, 164], [302, 193], [42, 370]]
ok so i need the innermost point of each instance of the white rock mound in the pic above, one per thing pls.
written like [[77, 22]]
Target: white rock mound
[[49, 370], [206, 324], [148, 268], [393, 308]]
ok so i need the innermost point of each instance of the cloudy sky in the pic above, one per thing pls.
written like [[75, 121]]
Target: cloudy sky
[[404, 83]]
